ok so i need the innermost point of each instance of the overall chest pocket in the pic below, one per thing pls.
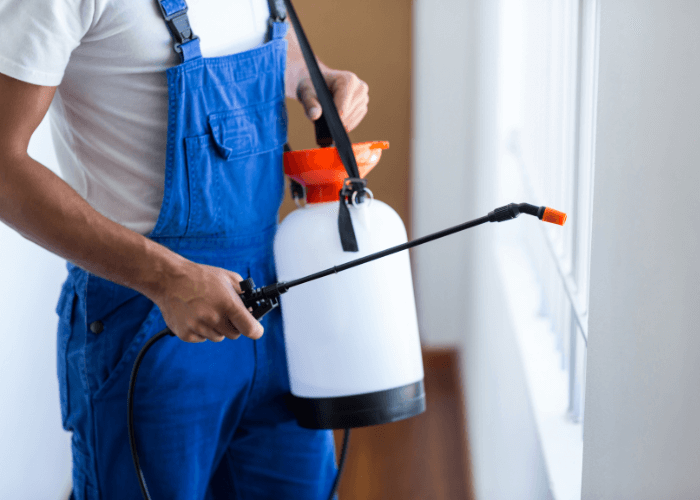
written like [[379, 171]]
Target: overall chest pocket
[[235, 176]]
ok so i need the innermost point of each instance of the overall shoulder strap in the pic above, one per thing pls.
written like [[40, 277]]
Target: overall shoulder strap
[[278, 15], [185, 42]]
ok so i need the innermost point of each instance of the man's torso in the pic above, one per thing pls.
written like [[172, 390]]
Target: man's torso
[[109, 116]]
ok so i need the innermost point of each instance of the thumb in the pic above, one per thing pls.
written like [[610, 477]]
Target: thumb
[[308, 99]]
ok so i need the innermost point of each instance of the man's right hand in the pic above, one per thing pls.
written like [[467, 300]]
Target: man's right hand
[[201, 303]]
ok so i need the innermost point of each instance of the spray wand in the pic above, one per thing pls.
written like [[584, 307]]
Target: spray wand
[[261, 301]]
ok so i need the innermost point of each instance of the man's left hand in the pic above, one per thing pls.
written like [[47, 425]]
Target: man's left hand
[[351, 96]]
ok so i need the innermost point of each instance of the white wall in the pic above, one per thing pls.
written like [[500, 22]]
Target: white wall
[[642, 419], [442, 158], [458, 290], [34, 450]]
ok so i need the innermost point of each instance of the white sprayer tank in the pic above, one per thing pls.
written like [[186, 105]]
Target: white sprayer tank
[[352, 343]]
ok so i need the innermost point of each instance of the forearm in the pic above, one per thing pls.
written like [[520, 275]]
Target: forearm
[[44, 209]]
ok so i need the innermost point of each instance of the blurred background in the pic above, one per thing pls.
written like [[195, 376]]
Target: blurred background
[[561, 363]]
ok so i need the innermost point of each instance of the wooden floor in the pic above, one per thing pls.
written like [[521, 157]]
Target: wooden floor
[[422, 458]]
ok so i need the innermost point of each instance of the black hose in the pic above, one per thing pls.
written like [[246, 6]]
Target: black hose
[[343, 456], [130, 408], [132, 434]]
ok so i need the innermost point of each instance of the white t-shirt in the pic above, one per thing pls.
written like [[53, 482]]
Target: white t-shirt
[[108, 59]]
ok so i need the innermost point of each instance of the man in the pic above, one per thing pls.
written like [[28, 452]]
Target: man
[[172, 186]]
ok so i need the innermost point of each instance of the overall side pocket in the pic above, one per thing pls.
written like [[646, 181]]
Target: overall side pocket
[[116, 318], [115, 381], [64, 309]]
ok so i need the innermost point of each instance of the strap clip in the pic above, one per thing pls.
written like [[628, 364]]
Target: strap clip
[[353, 187], [179, 26], [181, 29], [297, 190], [278, 11]]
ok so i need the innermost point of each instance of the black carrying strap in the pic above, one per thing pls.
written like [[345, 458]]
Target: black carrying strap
[[330, 122], [348, 240]]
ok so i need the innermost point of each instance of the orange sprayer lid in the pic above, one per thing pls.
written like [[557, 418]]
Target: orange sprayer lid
[[322, 172]]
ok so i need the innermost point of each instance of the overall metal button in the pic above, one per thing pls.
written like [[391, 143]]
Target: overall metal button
[[96, 327]]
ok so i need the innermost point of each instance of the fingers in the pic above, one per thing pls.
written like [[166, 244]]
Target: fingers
[[350, 94], [238, 319], [227, 329], [351, 97], [235, 281], [215, 329], [306, 94], [355, 116], [192, 338], [213, 311], [205, 327], [241, 322]]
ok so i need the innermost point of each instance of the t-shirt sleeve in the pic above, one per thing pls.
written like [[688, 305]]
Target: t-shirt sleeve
[[38, 37]]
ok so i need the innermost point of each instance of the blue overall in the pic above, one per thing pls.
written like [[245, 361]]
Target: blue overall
[[211, 419]]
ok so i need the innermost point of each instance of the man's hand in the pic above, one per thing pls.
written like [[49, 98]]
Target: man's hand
[[201, 303], [351, 96]]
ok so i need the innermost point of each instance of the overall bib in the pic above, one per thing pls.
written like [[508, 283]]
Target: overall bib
[[211, 419]]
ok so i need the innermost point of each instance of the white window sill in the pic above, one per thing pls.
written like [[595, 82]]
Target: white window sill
[[560, 438]]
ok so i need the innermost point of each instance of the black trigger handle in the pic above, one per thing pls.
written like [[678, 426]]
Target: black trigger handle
[[261, 301]]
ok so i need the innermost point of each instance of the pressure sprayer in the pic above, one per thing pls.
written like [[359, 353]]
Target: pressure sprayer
[[334, 399], [351, 339]]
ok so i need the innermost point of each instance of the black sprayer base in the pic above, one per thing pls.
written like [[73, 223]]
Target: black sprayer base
[[360, 410]]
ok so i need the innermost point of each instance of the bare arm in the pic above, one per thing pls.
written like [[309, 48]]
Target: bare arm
[[198, 302]]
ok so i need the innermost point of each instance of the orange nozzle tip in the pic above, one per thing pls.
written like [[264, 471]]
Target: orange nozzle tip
[[554, 216]]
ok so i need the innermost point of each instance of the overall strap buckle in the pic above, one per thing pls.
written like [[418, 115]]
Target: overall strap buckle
[[277, 29], [179, 26], [278, 11]]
